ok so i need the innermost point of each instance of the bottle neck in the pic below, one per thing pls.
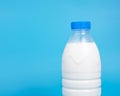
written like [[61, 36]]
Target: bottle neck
[[81, 32], [82, 35]]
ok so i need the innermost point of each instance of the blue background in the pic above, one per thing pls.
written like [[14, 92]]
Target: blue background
[[33, 34]]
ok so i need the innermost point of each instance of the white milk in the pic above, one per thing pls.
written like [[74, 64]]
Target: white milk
[[81, 69]]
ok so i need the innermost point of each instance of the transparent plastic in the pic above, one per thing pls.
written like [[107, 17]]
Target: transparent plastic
[[82, 35]]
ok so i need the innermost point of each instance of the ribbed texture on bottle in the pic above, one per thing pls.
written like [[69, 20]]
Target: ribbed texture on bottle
[[83, 87]]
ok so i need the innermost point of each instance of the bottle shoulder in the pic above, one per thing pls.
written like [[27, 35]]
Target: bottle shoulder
[[78, 49]]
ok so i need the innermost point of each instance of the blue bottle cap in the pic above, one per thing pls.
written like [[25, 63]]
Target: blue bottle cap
[[80, 25]]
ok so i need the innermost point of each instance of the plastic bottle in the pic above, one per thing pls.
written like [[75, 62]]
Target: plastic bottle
[[81, 65]]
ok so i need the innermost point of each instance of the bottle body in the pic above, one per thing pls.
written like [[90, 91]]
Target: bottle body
[[81, 66]]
